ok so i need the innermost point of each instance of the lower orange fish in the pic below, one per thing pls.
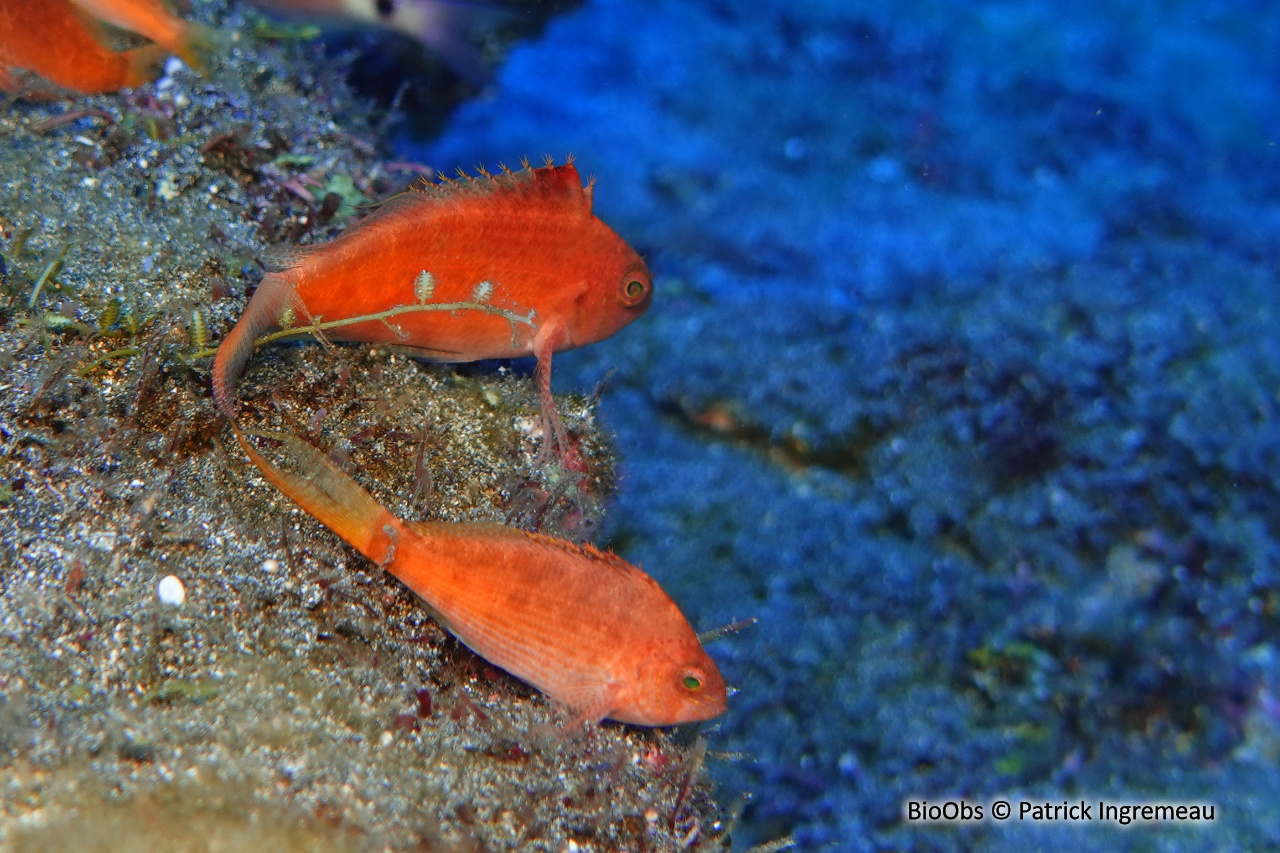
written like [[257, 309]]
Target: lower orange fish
[[62, 44], [585, 627]]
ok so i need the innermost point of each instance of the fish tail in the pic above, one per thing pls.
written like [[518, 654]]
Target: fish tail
[[196, 46], [142, 65], [326, 492], [275, 294]]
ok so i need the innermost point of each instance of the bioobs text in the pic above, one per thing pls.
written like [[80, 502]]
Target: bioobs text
[[944, 812]]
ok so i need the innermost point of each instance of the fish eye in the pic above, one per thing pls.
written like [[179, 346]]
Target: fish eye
[[634, 290], [691, 682]]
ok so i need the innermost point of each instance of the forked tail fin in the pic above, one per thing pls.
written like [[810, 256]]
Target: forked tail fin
[[274, 296], [322, 489]]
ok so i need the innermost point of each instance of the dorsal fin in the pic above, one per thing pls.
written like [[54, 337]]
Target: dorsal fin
[[548, 184], [550, 188], [605, 559]]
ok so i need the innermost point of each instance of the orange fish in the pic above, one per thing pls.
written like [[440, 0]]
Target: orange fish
[[60, 43], [496, 266], [585, 627], [150, 19]]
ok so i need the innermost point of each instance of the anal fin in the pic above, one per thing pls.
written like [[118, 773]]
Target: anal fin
[[439, 356]]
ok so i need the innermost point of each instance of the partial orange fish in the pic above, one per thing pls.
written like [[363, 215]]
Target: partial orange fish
[[60, 43], [497, 266], [583, 626], [150, 19]]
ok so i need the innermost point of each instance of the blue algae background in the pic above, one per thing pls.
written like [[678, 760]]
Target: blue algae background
[[961, 375]]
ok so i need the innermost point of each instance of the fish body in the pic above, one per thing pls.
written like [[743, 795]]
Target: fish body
[[525, 265], [57, 41], [583, 626]]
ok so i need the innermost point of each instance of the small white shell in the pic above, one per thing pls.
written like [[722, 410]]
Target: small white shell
[[423, 286], [482, 292], [170, 591]]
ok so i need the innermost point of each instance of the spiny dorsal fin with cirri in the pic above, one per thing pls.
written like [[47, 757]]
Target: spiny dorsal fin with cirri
[[550, 190]]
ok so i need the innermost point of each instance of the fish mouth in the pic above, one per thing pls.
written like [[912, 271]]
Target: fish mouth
[[705, 710]]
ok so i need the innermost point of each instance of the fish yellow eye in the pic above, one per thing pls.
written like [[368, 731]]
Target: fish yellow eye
[[634, 290], [692, 682]]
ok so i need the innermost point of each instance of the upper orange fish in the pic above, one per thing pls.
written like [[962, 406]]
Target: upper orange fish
[[585, 627], [496, 266], [60, 43]]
